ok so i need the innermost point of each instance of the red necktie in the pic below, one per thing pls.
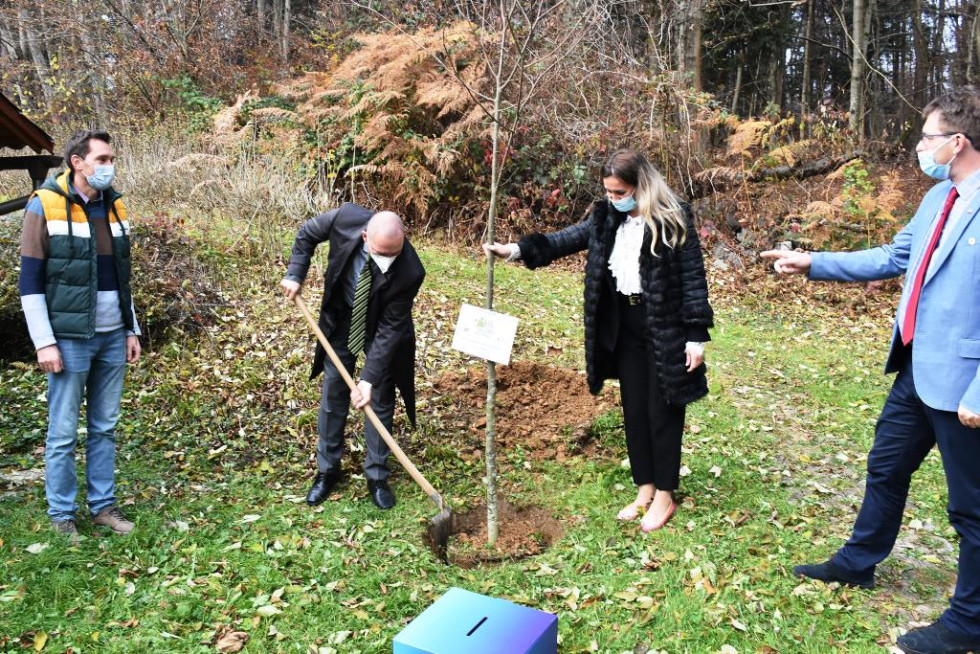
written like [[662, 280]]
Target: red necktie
[[908, 325]]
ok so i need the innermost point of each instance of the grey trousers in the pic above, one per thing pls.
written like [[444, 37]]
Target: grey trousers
[[332, 419]]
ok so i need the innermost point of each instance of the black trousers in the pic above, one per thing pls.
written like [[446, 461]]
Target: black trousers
[[335, 406], [653, 427], [904, 435]]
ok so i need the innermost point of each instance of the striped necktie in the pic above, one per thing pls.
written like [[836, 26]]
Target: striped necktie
[[358, 318]]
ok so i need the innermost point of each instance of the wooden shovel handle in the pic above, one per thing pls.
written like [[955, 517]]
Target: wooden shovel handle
[[372, 416]]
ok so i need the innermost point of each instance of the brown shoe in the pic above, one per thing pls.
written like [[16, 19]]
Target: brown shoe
[[114, 519], [67, 528]]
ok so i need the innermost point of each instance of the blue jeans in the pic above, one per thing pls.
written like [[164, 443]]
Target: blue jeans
[[93, 368]]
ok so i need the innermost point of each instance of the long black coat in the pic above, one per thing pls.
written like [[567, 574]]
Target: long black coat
[[675, 294], [390, 343]]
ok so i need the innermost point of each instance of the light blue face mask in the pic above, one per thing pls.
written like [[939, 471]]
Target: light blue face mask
[[929, 165], [625, 205], [102, 178]]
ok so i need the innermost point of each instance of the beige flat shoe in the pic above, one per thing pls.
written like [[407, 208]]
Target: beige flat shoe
[[653, 523], [632, 511]]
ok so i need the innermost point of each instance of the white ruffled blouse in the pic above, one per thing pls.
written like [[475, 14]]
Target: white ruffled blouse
[[624, 262]]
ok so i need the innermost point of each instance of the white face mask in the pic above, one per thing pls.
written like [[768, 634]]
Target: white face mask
[[384, 263]]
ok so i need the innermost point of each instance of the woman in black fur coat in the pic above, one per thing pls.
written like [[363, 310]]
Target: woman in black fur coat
[[646, 317]]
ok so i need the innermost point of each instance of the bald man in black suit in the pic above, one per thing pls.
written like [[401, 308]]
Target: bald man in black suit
[[361, 242]]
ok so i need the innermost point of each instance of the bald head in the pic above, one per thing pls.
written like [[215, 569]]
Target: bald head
[[385, 234]]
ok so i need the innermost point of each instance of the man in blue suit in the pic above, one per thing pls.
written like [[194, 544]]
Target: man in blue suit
[[935, 351]]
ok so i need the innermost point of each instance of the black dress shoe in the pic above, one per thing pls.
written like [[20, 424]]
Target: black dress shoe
[[830, 571], [937, 639], [381, 494], [323, 485]]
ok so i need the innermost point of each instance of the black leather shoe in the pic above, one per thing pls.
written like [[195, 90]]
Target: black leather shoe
[[830, 571], [323, 485], [381, 494], [937, 639]]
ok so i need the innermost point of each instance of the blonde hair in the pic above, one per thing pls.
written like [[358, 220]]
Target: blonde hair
[[657, 203]]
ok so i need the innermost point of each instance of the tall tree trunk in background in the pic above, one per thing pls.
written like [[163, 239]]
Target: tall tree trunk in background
[[260, 18], [860, 29], [30, 44], [277, 11], [772, 81], [658, 58], [738, 81], [286, 19], [94, 64], [923, 58], [688, 16], [696, 45], [805, 82], [973, 45], [938, 38], [7, 39], [961, 37]]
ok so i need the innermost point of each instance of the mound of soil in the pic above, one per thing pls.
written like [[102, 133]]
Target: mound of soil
[[548, 411], [523, 532]]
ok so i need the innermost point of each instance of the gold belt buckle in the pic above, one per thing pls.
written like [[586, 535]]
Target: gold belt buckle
[[634, 299]]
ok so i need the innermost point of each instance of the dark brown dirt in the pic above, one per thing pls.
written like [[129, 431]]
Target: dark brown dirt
[[548, 411], [523, 532]]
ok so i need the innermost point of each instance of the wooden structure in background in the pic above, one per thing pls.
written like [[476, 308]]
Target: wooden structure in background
[[16, 133]]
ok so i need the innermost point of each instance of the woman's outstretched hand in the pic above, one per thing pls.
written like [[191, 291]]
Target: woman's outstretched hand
[[499, 250]]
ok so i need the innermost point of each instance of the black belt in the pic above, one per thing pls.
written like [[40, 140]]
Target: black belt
[[633, 299]]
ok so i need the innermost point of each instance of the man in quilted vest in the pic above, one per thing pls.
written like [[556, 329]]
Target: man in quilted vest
[[74, 288]]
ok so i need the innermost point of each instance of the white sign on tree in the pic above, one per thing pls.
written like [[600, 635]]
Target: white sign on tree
[[485, 334]]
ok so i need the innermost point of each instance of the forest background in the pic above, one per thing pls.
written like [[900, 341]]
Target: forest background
[[782, 122]]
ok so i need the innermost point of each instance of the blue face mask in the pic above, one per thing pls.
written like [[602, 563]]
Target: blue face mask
[[625, 205], [929, 165], [102, 178]]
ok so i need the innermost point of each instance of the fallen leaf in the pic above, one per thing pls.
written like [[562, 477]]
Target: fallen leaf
[[37, 548], [233, 641]]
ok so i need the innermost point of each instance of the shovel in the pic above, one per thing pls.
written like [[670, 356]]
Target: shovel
[[441, 524]]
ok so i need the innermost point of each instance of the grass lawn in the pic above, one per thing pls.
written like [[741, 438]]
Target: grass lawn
[[215, 453]]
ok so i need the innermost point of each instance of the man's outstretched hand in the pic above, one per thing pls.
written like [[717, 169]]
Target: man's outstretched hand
[[789, 262]]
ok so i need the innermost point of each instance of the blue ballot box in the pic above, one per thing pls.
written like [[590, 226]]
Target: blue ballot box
[[461, 622]]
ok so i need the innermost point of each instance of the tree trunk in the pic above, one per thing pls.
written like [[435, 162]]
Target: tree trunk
[[277, 12], [805, 82], [490, 448], [971, 44], [860, 27], [8, 44], [776, 82], [30, 44], [260, 18], [738, 82], [938, 41], [687, 27], [286, 19], [696, 46], [93, 64]]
